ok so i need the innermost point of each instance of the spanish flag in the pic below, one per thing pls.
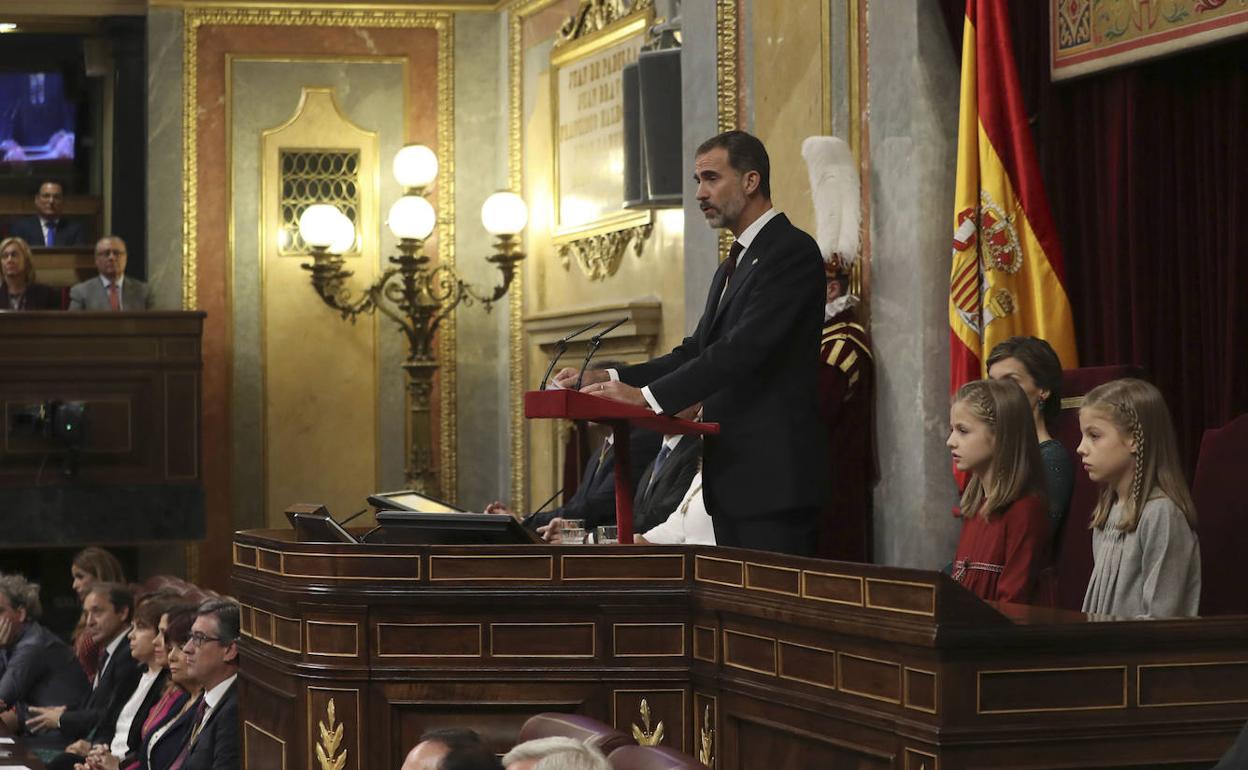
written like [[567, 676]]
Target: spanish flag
[[1006, 278]]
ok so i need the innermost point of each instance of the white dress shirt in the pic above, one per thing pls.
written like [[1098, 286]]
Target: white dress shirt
[[111, 649], [746, 237], [121, 737], [689, 524]]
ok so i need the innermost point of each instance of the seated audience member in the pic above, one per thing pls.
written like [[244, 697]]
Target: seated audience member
[[594, 499], [689, 523], [470, 758], [109, 607], [111, 289], [555, 753], [1005, 530], [1146, 558], [36, 667], [91, 565], [126, 731], [212, 659], [664, 482], [47, 227], [1034, 365], [19, 291], [168, 727], [436, 744]]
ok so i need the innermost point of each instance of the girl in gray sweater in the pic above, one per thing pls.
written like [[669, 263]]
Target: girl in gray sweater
[[1146, 555]]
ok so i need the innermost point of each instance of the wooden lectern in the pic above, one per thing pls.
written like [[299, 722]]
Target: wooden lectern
[[574, 405]]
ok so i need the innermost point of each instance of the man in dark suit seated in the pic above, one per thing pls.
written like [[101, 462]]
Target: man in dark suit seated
[[212, 659], [111, 289], [753, 361], [108, 607], [48, 227], [37, 668], [663, 485], [594, 499]]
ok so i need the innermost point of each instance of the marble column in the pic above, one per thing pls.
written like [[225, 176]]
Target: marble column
[[913, 102]]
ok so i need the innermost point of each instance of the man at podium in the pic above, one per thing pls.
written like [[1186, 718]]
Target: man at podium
[[753, 361]]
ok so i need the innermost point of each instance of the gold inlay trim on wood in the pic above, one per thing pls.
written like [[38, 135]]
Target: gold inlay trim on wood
[[780, 667], [931, 589], [807, 574], [840, 677], [1139, 677], [434, 561], [905, 689], [615, 642], [921, 760], [239, 560], [355, 731], [248, 724], [979, 682], [684, 695], [714, 633], [749, 584], [564, 561], [355, 627], [273, 625], [593, 644], [699, 560], [337, 556], [744, 667], [480, 640]]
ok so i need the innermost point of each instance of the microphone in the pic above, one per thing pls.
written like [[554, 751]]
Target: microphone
[[353, 517], [527, 520], [594, 342], [561, 347]]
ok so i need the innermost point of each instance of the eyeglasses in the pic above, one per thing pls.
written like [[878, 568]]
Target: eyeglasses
[[199, 639]]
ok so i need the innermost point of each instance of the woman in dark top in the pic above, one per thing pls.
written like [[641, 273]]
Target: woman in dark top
[[19, 291], [1032, 363]]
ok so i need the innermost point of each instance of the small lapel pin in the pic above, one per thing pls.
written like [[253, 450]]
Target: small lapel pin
[[755, 262]]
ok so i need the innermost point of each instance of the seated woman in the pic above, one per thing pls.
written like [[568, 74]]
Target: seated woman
[[1005, 532], [1033, 364], [19, 291]]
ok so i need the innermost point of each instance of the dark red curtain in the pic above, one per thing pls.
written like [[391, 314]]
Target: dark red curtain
[[1146, 169]]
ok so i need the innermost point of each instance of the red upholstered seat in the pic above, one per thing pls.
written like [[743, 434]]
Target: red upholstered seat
[[652, 758], [1074, 542], [589, 731], [1222, 517]]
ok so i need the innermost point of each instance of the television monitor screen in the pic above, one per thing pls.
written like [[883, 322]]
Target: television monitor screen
[[37, 120], [409, 500]]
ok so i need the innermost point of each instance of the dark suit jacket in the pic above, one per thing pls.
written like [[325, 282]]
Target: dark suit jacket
[[30, 229], [753, 362], [98, 715], [216, 747], [39, 669], [594, 499], [38, 297], [90, 295], [656, 500], [166, 750]]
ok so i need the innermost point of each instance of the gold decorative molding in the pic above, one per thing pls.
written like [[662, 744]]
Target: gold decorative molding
[[331, 739], [599, 256], [595, 15], [706, 740], [197, 15], [727, 90], [645, 736]]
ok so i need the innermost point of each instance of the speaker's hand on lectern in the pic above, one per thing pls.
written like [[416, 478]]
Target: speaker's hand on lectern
[[499, 507], [550, 532], [617, 391], [566, 378]]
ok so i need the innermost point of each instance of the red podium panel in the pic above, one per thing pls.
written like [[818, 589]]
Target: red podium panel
[[574, 405]]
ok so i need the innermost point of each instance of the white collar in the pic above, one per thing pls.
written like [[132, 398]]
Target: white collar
[[112, 646], [748, 235], [120, 280], [213, 697], [672, 440]]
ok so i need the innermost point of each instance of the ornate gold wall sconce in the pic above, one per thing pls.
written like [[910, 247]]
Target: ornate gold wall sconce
[[413, 291]]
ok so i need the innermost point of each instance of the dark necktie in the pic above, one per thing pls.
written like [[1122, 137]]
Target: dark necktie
[[50, 238], [99, 669], [664, 453], [200, 708], [734, 254], [602, 455]]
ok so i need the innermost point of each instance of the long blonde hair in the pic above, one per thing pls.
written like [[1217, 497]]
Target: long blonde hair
[[1138, 410], [1015, 469], [23, 248]]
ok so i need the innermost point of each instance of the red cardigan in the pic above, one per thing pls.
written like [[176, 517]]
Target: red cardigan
[[998, 558]]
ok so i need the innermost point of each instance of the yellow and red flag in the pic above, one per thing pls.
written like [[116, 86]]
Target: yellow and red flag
[[1007, 264]]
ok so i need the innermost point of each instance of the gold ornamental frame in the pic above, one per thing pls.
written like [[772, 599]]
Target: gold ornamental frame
[[229, 14], [599, 245]]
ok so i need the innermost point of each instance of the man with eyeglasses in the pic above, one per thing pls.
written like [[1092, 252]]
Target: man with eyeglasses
[[108, 607], [212, 659]]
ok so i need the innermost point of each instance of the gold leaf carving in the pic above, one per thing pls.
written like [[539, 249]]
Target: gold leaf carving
[[594, 15], [645, 736], [331, 739], [706, 751], [600, 255]]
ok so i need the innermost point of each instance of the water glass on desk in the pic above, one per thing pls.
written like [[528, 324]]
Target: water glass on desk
[[572, 532], [607, 535]]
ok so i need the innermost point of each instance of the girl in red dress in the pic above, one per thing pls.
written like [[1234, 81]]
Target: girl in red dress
[[1005, 529]]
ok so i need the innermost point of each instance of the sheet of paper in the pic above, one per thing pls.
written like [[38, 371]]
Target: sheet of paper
[[5, 740]]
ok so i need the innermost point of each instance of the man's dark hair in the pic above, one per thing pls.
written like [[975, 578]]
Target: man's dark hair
[[470, 758], [227, 615], [57, 182], [745, 153], [454, 738], [118, 595], [1041, 362]]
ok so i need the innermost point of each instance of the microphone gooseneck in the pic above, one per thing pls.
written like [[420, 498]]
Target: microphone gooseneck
[[594, 342]]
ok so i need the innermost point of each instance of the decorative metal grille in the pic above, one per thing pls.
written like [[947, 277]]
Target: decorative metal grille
[[316, 176]]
